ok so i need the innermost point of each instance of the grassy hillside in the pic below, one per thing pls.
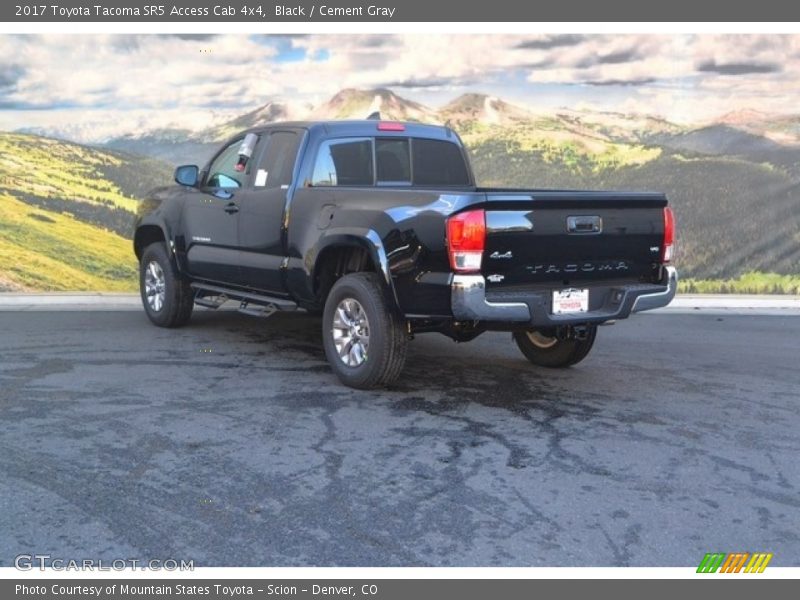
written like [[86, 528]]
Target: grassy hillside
[[44, 250], [507, 155], [66, 214]]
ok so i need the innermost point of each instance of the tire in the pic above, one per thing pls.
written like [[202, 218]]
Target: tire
[[357, 305], [552, 352], [170, 304]]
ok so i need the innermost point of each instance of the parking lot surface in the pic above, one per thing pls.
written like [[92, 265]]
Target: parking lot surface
[[230, 443]]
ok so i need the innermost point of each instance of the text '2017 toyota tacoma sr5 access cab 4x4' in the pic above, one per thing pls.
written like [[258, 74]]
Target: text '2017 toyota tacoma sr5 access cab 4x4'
[[380, 227]]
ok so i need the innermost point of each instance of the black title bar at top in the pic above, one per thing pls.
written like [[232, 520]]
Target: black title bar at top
[[255, 11]]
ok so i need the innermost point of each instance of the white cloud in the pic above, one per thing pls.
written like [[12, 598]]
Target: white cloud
[[133, 83]]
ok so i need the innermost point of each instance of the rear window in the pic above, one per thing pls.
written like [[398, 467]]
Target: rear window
[[438, 163], [399, 161], [394, 164]]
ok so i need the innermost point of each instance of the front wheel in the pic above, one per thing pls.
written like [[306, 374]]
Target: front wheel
[[166, 296], [363, 337], [551, 351]]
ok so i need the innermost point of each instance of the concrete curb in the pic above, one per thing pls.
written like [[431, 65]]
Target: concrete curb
[[69, 301], [684, 303]]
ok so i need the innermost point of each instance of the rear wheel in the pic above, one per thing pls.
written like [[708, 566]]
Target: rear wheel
[[546, 350], [364, 339], [167, 297]]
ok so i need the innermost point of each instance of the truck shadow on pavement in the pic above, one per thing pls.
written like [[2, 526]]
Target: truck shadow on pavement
[[441, 378]]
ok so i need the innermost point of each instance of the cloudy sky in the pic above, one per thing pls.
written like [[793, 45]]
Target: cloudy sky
[[94, 87]]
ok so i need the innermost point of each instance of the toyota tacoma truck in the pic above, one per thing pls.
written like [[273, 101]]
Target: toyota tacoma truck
[[380, 227]]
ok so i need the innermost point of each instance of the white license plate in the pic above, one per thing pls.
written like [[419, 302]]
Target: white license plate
[[570, 301]]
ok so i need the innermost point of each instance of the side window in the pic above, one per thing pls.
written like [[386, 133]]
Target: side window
[[344, 162], [223, 172], [438, 163], [277, 162], [394, 163]]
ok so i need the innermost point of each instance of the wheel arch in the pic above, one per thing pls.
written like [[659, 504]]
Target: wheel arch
[[335, 243], [149, 233]]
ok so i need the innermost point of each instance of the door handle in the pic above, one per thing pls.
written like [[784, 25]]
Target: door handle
[[585, 224], [231, 208]]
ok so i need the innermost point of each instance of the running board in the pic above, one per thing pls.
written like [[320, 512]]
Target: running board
[[211, 301], [258, 310], [264, 306]]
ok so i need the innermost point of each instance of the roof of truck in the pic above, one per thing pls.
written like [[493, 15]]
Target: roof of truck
[[365, 127]]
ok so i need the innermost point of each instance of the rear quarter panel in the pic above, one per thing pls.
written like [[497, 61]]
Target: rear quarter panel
[[410, 224]]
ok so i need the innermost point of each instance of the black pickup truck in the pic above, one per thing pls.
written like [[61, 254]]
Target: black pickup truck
[[379, 227]]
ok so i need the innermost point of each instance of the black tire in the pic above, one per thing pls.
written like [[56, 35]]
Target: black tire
[[385, 354], [178, 299], [552, 352]]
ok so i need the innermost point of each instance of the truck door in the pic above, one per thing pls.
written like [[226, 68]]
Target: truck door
[[261, 212], [211, 218]]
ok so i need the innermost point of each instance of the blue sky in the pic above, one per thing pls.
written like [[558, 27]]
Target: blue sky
[[92, 86]]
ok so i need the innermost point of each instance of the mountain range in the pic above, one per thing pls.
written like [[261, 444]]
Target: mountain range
[[734, 182]]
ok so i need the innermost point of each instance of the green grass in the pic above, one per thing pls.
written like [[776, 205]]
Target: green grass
[[47, 251], [753, 282]]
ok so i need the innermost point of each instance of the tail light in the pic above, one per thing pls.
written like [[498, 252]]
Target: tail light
[[667, 249], [466, 240]]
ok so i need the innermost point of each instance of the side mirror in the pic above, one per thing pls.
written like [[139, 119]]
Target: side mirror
[[187, 175]]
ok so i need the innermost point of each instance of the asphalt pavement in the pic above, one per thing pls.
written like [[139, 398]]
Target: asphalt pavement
[[230, 443]]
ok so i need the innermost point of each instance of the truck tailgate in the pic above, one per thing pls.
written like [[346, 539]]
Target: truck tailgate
[[570, 238]]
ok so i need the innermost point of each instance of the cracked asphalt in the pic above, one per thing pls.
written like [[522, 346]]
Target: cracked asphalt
[[230, 443]]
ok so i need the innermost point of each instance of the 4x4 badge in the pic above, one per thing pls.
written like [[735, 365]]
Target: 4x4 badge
[[497, 254]]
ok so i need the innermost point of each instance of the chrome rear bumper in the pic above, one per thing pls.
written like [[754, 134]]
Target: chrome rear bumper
[[468, 298], [469, 302], [659, 299]]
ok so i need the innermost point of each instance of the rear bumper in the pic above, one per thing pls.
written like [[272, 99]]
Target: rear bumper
[[658, 299], [470, 301]]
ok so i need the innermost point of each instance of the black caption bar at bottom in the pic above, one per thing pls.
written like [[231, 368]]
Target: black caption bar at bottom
[[382, 589]]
